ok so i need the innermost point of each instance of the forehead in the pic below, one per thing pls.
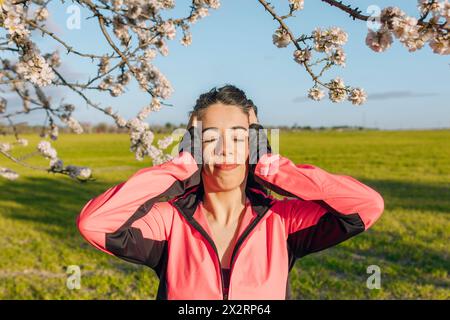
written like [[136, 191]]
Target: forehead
[[224, 116]]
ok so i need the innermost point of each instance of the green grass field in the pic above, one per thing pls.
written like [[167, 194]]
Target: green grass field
[[410, 242]]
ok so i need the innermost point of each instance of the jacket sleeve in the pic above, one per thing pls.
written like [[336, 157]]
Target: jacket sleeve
[[326, 208], [126, 220]]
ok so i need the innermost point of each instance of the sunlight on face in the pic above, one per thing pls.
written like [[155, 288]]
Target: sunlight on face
[[224, 141]]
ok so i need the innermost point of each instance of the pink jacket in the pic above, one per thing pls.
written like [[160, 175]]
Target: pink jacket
[[156, 218]]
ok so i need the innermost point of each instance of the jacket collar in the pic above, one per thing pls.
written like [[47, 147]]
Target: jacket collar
[[188, 202]]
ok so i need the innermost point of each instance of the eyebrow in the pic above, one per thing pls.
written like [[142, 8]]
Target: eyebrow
[[234, 128]]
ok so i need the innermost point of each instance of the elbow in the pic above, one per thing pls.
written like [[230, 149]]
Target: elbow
[[82, 223], [376, 205], [90, 228]]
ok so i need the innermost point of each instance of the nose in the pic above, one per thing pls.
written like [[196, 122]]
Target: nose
[[224, 146]]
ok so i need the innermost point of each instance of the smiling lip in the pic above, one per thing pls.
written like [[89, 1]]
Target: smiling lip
[[225, 166]]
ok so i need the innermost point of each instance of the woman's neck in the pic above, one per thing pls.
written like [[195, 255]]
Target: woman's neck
[[225, 207]]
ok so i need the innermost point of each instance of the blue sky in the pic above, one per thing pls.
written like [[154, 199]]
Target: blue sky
[[234, 45]]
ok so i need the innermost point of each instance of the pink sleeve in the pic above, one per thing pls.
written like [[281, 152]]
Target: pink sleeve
[[326, 208], [130, 220]]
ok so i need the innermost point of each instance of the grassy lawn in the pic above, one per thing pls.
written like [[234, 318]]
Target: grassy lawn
[[410, 242]]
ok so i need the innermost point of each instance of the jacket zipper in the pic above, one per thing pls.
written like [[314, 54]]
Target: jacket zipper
[[200, 229], [241, 239]]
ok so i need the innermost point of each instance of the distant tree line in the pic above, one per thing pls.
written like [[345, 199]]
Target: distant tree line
[[167, 128]]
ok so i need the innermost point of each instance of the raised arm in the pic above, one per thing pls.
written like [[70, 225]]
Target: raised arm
[[327, 208], [126, 220]]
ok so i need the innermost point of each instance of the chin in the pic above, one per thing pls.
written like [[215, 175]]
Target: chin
[[227, 186]]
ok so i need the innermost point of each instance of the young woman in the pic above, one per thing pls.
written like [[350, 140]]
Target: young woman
[[208, 226]]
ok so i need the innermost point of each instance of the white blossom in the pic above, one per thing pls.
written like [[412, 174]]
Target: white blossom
[[161, 159], [8, 173], [197, 14], [147, 137], [203, 12], [154, 152], [73, 124], [167, 29], [441, 44], [103, 65], [379, 40], [117, 4], [187, 39], [357, 96], [297, 4], [432, 6], [33, 67], [337, 91], [165, 142], [134, 11], [45, 148], [13, 22], [79, 172], [147, 109], [54, 131], [120, 29], [156, 104], [5, 147], [144, 112], [138, 125], [53, 59], [22, 142], [116, 90], [404, 27], [315, 94], [56, 164], [84, 173], [120, 121], [328, 39], [281, 38], [42, 14], [106, 82], [3, 103], [302, 56], [149, 54], [444, 7], [214, 4], [124, 78], [338, 57]]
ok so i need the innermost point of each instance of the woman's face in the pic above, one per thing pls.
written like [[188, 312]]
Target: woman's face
[[225, 147]]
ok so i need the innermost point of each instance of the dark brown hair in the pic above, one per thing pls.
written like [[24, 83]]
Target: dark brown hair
[[228, 94]]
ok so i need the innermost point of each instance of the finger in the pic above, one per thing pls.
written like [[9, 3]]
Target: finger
[[194, 121], [252, 116]]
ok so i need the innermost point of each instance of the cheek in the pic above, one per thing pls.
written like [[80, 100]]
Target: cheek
[[241, 152], [208, 153]]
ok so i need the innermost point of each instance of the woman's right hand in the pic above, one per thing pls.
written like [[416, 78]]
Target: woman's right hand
[[192, 140], [192, 121]]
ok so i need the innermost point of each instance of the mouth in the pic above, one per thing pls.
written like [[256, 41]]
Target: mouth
[[226, 166]]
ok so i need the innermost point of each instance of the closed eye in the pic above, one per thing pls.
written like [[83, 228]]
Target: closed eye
[[211, 140]]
